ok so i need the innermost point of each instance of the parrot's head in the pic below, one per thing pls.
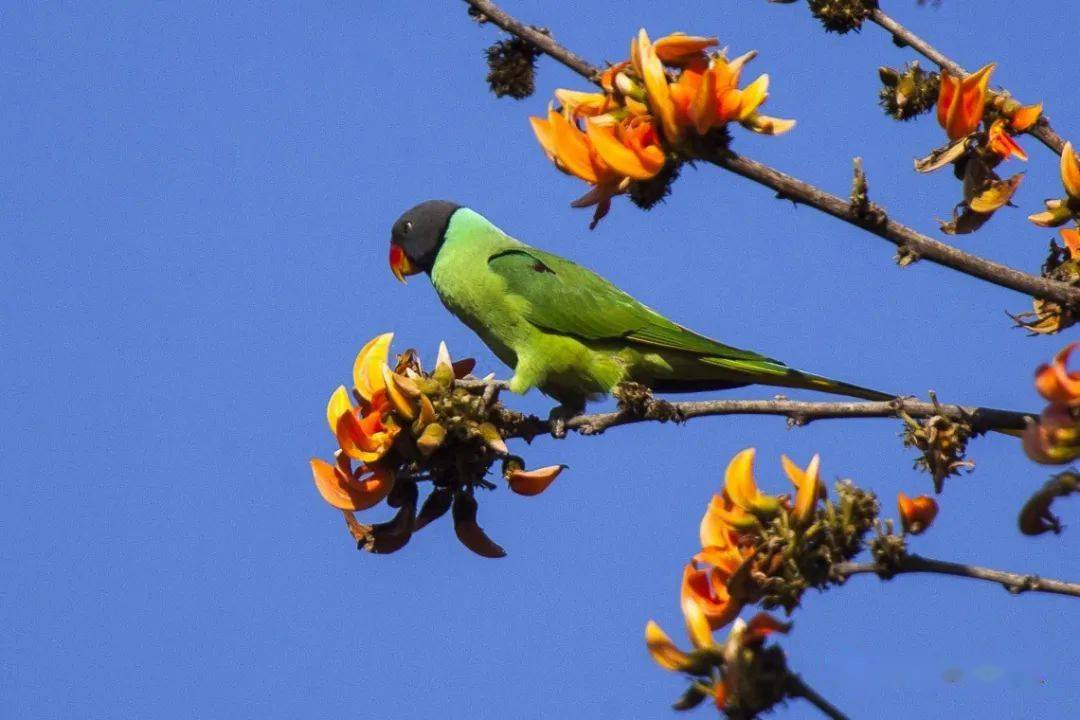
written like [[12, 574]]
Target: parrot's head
[[417, 236]]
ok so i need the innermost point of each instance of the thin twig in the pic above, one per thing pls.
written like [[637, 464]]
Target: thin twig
[[537, 39], [797, 687], [876, 222], [1015, 583], [797, 412], [1041, 131]]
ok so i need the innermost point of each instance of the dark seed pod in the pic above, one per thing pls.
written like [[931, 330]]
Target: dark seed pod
[[512, 68]]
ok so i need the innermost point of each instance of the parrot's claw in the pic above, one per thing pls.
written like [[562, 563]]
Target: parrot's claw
[[557, 420]]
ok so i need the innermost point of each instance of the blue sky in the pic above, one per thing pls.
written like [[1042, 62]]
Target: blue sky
[[195, 205]]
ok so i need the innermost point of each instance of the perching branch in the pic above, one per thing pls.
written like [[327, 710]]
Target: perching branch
[[1040, 131], [877, 222], [797, 412], [1015, 583]]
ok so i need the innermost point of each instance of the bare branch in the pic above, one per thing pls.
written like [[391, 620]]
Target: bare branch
[[797, 412], [1015, 583], [1041, 131], [914, 244], [797, 687], [539, 40]]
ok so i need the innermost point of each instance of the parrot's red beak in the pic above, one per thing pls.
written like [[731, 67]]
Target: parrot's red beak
[[400, 264]]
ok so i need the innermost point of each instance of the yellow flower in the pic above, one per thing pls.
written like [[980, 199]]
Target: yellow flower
[[741, 487], [916, 514], [650, 69], [1070, 171], [808, 488], [664, 652], [962, 101]]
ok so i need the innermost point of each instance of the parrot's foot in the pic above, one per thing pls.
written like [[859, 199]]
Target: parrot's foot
[[557, 419]]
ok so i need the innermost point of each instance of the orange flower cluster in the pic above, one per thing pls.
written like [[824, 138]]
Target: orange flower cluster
[[1061, 210], [962, 108], [734, 659], [668, 92], [401, 425], [730, 528], [1055, 438]]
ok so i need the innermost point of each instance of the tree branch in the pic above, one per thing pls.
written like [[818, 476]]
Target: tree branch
[[1041, 131], [797, 412], [1015, 583], [797, 687], [541, 41], [875, 222]]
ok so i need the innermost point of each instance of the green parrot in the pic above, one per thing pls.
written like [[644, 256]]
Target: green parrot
[[563, 328]]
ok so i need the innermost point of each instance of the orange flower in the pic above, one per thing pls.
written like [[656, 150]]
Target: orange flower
[[1071, 238], [1025, 116], [916, 514], [572, 151], [707, 587], [533, 482], [362, 436], [679, 49], [707, 95], [630, 147], [1055, 438], [962, 101], [1001, 142], [808, 488], [1056, 382], [348, 489]]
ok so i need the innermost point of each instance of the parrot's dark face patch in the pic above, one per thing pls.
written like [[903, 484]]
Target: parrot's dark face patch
[[417, 236]]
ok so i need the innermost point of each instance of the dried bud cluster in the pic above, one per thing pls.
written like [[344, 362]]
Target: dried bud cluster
[[512, 68], [841, 16], [908, 93], [942, 442]]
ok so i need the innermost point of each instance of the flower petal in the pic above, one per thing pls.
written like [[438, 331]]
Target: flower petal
[[1070, 171], [339, 405], [620, 158], [679, 49], [753, 95], [347, 493], [533, 482], [996, 196], [663, 650], [367, 370]]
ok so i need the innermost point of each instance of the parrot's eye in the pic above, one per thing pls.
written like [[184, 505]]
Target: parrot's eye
[[406, 227]]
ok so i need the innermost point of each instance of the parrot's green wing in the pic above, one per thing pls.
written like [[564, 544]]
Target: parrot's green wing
[[568, 299]]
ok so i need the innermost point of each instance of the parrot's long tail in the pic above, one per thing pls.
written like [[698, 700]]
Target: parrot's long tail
[[718, 373], [725, 373]]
